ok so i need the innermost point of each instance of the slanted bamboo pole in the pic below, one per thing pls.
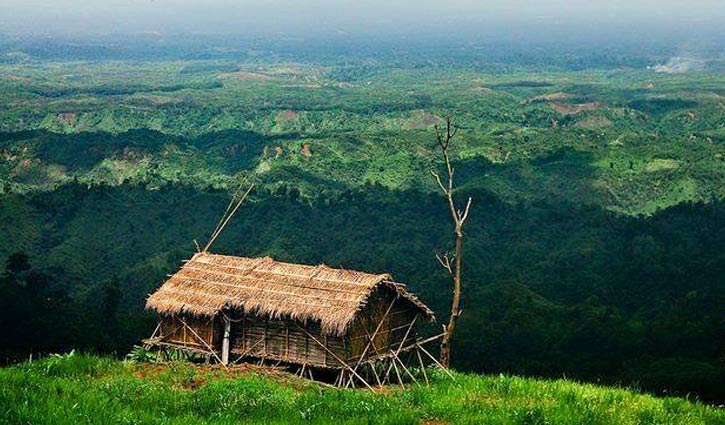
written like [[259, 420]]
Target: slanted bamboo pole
[[407, 332], [422, 367], [337, 358], [397, 373], [400, 347], [158, 326], [395, 357], [372, 338], [436, 362], [203, 342], [377, 329], [249, 350], [231, 214], [375, 373]]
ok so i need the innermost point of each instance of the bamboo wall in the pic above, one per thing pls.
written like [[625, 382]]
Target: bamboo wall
[[284, 340], [391, 331], [174, 332]]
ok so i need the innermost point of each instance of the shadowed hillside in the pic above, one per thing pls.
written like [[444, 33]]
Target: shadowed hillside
[[551, 289]]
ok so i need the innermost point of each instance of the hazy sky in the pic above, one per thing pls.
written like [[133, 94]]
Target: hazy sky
[[354, 16]]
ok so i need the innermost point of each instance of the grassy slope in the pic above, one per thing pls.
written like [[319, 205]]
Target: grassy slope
[[87, 389]]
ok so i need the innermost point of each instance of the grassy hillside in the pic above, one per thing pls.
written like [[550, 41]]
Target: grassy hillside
[[75, 389]]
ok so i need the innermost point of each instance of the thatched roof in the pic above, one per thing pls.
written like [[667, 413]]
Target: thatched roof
[[209, 282]]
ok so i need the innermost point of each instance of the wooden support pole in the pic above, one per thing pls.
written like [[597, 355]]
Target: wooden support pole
[[225, 341], [436, 361], [324, 359], [386, 377], [377, 329], [153, 335], [422, 367], [203, 342], [184, 329], [375, 373], [400, 347], [407, 332], [397, 373], [248, 350], [342, 362], [372, 338], [405, 368]]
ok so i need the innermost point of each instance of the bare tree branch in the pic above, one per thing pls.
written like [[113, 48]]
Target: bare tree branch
[[440, 183], [467, 210], [445, 262], [458, 218]]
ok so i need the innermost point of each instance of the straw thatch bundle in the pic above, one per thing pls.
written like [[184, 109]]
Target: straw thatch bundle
[[208, 283]]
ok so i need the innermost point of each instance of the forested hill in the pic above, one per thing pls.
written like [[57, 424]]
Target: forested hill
[[628, 140], [594, 248]]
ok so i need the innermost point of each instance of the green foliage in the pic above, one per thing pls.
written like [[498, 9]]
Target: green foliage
[[139, 354], [550, 289], [594, 247], [592, 136], [97, 390]]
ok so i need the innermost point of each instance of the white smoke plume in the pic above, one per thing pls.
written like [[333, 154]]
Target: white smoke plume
[[679, 65]]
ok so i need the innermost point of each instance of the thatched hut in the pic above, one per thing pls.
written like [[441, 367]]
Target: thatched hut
[[234, 308]]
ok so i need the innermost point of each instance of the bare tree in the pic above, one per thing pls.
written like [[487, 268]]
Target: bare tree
[[458, 217]]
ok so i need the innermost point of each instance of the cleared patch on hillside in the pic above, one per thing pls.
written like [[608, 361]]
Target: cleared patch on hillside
[[420, 119], [576, 108], [660, 164]]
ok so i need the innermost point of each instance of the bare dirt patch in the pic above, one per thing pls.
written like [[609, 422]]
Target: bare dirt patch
[[420, 119], [67, 118], [306, 149], [285, 116]]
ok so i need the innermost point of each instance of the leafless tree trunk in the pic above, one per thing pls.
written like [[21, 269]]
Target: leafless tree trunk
[[458, 217]]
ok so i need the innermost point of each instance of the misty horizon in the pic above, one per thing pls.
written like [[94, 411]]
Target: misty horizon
[[520, 18]]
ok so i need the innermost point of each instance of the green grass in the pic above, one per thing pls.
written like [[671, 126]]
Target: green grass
[[75, 389]]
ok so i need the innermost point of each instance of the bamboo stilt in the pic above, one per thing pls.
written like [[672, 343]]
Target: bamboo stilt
[[422, 367], [375, 373], [437, 362], [335, 356], [397, 373], [405, 369]]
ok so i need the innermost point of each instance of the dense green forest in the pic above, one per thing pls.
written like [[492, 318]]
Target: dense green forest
[[594, 249]]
